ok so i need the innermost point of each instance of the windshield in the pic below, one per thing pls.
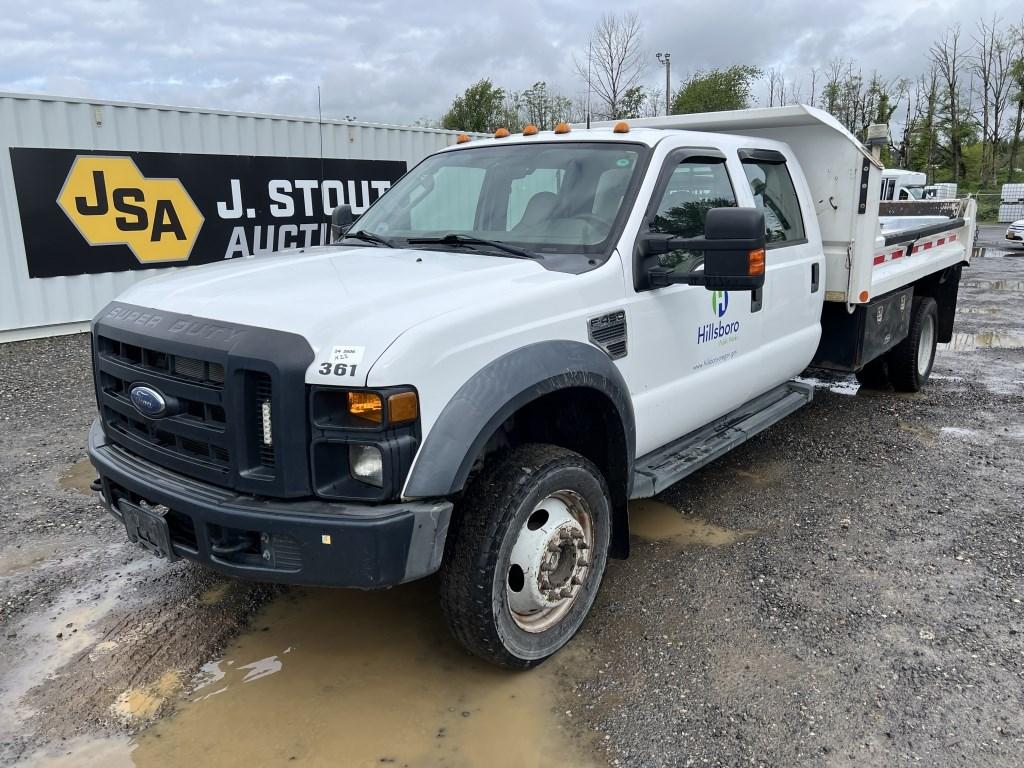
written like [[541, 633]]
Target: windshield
[[563, 197]]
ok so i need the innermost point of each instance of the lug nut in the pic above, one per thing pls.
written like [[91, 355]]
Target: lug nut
[[266, 554]]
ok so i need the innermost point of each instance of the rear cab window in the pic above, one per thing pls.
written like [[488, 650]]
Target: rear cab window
[[774, 193]]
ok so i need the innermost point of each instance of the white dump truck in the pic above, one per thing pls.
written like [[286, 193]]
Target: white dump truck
[[523, 334]]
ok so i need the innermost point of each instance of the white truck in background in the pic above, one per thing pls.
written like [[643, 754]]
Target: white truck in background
[[899, 184], [523, 334]]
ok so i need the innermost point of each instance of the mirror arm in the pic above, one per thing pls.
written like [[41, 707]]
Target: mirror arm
[[660, 277]]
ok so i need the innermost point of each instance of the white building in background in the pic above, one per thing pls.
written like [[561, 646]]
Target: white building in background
[[96, 195]]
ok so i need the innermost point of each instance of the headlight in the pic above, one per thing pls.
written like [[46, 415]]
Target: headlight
[[363, 409], [363, 441], [366, 464]]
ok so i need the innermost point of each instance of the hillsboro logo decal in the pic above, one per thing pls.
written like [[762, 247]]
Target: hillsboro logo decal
[[718, 330], [720, 302], [112, 203]]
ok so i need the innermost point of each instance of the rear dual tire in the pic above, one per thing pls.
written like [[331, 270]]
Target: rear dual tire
[[526, 555], [908, 365], [910, 362]]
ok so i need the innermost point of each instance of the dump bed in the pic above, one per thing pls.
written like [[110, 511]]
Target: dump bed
[[867, 254]]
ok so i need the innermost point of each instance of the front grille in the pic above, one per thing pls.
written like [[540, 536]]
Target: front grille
[[215, 378], [194, 436]]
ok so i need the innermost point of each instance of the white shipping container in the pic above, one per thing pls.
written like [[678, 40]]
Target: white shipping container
[[40, 306], [1011, 203]]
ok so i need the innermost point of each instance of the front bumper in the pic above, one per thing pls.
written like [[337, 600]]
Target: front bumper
[[288, 541]]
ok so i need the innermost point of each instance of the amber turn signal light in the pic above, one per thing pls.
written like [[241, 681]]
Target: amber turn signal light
[[367, 406], [403, 407], [755, 262]]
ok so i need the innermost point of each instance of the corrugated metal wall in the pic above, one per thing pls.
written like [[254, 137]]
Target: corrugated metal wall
[[28, 306]]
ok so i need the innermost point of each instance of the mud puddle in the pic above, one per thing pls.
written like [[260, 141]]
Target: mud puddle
[[655, 521], [342, 677], [15, 559], [78, 477], [994, 285], [968, 342], [54, 635]]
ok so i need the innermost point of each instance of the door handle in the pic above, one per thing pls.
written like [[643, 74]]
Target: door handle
[[814, 277]]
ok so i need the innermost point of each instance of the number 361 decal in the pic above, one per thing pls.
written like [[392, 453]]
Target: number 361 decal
[[343, 361], [338, 369]]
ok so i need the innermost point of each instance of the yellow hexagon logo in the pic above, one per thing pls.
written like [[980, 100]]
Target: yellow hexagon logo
[[112, 203]]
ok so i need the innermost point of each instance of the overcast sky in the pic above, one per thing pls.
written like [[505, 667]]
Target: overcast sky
[[406, 59]]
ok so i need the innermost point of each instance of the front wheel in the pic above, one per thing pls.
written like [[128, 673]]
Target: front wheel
[[526, 555]]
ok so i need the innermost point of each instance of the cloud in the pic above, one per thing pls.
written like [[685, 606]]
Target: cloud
[[406, 59]]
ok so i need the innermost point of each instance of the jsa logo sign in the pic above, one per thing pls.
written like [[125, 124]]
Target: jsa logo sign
[[112, 203]]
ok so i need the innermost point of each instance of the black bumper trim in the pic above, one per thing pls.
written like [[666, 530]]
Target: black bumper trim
[[369, 546]]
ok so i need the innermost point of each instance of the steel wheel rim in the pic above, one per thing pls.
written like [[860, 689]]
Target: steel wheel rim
[[550, 561], [924, 347]]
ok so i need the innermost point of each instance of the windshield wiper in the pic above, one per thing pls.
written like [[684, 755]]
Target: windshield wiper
[[457, 239], [369, 237]]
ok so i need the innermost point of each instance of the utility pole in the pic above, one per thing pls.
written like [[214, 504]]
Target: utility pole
[[665, 59]]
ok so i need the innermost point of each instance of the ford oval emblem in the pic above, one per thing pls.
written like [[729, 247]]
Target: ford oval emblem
[[148, 401]]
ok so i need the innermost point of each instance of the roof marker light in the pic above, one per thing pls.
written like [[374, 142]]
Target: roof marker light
[[529, 129], [462, 139], [563, 128], [621, 127], [501, 133]]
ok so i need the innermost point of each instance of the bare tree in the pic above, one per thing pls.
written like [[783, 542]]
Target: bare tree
[[949, 58], [615, 62], [996, 49]]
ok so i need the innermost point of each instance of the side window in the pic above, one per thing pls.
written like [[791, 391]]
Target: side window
[[773, 191], [450, 203], [695, 187]]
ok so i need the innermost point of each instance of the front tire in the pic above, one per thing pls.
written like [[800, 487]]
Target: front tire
[[526, 556], [910, 361]]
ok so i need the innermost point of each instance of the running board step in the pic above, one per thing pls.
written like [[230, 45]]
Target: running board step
[[656, 471]]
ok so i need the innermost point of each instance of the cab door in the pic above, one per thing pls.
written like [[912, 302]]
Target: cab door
[[691, 348], [793, 291]]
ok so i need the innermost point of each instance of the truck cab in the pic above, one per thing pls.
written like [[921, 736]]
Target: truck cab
[[523, 334]]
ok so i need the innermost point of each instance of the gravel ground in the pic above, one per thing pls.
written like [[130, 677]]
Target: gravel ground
[[872, 617]]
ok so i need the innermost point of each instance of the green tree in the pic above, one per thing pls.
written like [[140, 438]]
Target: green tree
[[716, 90], [480, 109]]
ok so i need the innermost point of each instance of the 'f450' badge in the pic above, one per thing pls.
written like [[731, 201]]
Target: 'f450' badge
[[112, 203]]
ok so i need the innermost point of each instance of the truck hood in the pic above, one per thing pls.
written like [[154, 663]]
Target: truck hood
[[361, 297]]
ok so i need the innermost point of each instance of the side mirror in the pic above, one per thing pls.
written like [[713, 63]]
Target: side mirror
[[341, 220], [733, 246]]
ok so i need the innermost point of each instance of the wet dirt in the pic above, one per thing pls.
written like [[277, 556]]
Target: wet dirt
[[994, 285], [78, 478], [371, 676], [654, 521], [968, 342]]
